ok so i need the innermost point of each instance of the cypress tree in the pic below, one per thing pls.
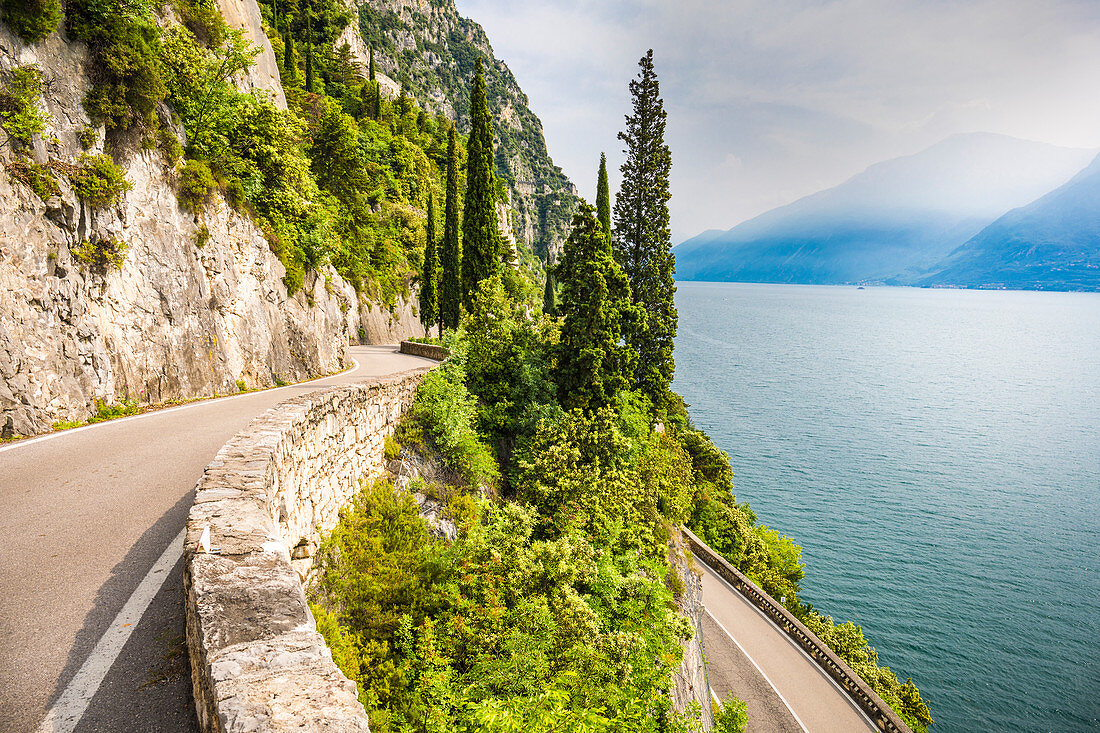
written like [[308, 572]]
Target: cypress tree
[[450, 255], [290, 68], [549, 293], [593, 364], [642, 242], [309, 47], [429, 279], [375, 104], [480, 236], [603, 197]]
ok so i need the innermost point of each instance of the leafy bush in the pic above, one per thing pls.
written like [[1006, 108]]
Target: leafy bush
[[19, 111], [39, 177], [449, 413], [197, 185], [124, 47], [732, 716], [106, 411], [101, 253], [497, 631], [88, 137], [32, 20], [98, 180]]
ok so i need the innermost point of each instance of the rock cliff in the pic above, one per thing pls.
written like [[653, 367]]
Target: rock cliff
[[431, 49], [198, 305]]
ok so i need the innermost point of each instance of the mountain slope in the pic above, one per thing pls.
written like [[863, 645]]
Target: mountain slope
[[890, 223], [431, 50], [1050, 244]]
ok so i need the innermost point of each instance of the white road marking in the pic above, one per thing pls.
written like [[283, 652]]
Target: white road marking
[[202, 401], [70, 707], [836, 685], [758, 669]]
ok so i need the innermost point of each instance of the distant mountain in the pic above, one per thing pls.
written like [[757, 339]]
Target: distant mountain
[[1050, 244], [892, 223]]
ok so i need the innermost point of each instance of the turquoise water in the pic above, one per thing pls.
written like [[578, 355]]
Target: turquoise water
[[937, 455]]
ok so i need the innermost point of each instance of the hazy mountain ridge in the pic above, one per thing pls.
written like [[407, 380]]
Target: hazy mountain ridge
[[1050, 244], [893, 223]]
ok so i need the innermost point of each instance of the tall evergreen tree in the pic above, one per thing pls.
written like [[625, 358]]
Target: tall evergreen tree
[[309, 46], [643, 243], [603, 197], [290, 66], [480, 236], [429, 279], [375, 103], [593, 362], [450, 255], [550, 293]]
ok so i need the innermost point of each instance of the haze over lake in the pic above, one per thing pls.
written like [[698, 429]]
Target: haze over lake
[[937, 455]]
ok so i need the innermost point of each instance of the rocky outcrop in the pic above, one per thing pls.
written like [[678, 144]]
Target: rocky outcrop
[[261, 505], [264, 75], [431, 48], [197, 307]]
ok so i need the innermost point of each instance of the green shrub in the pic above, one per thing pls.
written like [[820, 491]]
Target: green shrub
[[88, 137], [101, 253], [197, 185], [66, 424], [731, 716], [98, 180], [39, 177], [201, 236], [241, 386], [124, 48], [19, 110], [392, 448], [105, 411], [32, 20], [449, 412]]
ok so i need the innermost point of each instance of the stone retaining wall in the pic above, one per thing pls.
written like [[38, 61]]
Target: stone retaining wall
[[257, 661], [881, 714], [428, 351]]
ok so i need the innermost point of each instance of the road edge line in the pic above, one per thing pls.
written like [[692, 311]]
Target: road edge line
[[862, 713], [761, 671], [193, 403]]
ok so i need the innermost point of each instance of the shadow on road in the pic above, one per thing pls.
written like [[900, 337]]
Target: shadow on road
[[150, 660]]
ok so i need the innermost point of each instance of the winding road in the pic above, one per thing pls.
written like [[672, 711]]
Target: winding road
[[91, 580], [786, 692]]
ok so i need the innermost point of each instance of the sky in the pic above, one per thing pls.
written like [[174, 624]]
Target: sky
[[771, 100]]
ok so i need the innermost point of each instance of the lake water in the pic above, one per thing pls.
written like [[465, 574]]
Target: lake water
[[937, 455]]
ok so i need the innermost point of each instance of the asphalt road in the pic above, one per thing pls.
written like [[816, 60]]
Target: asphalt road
[[84, 517], [786, 692]]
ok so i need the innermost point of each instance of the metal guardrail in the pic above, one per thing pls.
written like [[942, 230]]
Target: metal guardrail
[[881, 714]]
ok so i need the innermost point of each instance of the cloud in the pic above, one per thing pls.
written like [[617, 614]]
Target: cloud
[[804, 93]]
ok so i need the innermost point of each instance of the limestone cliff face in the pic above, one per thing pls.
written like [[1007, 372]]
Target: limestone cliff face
[[690, 685], [177, 320], [431, 48], [264, 74]]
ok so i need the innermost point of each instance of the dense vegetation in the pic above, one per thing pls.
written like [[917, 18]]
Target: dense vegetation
[[567, 477], [572, 463]]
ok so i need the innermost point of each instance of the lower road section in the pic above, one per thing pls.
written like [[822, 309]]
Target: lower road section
[[752, 658], [86, 517]]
